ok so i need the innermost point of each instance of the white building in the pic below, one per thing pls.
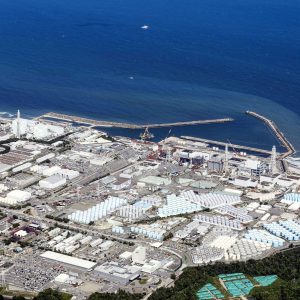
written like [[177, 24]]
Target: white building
[[51, 171], [69, 260], [68, 174], [252, 167], [52, 182], [120, 184], [113, 272], [42, 131], [33, 129], [21, 233], [18, 196]]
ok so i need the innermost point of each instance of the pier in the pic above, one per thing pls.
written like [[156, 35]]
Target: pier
[[280, 136], [223, 144], [278, 133], [92, 122]]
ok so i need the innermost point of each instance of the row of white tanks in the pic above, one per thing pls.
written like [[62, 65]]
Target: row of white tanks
[[97, 212], [152, 233], [118, 230], [245, 249], [219, 220], [130, 212], [264, 237], [176, 206], [240, 214], [288, 230], [292, 197], [211, 200], [207, 254]]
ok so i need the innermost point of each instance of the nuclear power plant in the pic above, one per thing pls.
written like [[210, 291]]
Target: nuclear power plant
[[82, 209]]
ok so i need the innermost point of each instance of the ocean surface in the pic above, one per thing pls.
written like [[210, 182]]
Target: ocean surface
[[199, 59]]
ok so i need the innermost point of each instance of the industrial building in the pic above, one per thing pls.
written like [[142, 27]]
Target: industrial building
[[33, 129], [113, 272], [15, 197], [138, 208], [69, 260], [52, 182]]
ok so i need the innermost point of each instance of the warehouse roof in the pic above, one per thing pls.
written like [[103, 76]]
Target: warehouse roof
[[70, 260], [53, 179], [155, 180]]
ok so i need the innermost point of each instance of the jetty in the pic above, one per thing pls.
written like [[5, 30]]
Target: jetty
[[271, 124], [95, 123], [230, 145], [279, 134]]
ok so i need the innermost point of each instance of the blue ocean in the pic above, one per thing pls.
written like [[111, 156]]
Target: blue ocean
[[198, 59]]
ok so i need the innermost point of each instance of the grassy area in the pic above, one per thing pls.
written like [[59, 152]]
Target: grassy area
[[66, 296], [143, 281], [27, 294], [4, 291]]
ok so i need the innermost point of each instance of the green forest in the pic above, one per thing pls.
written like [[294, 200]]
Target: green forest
[[286, 265], [121, 295]]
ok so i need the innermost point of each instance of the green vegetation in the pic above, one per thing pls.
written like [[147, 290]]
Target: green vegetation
[[50, 294], [143, 280], [168, 236], [2, 215], [27, 211], [8, 241], [286, 265], [121, 295], [58, 219], [108, 138], [19, 206], [280, 290]]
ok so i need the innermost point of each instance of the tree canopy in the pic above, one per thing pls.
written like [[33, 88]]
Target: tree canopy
[[285, 264], [120, 295]]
